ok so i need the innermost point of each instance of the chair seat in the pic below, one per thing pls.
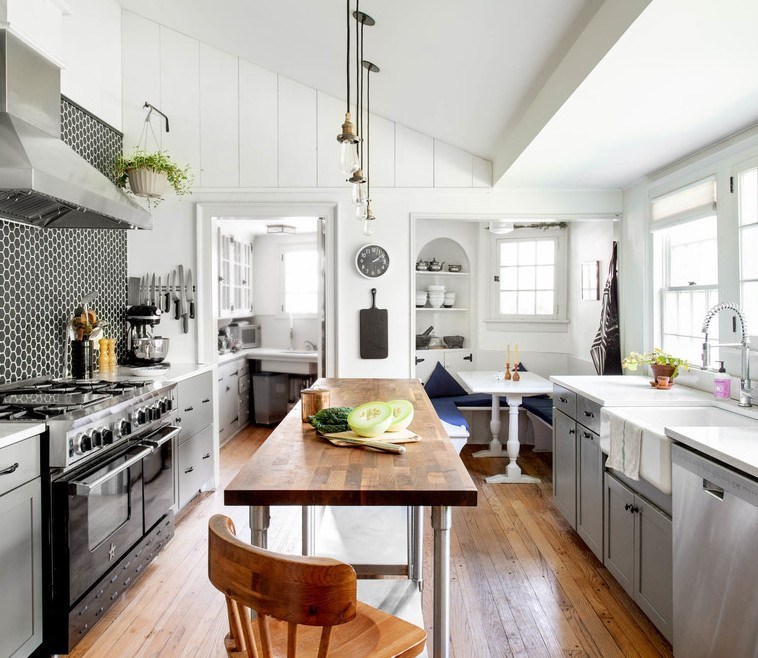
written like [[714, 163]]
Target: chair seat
[[372, 634]]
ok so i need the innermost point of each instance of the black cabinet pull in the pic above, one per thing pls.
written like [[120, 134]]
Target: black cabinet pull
[[206, 400], [635, 509], [572, 431], [470, 357], [207, 455], [419, 361], [188, 409], [589, 436], [189, 470], [178, 419], [589, 414], [9, 470], [627, 507], [564, 400]]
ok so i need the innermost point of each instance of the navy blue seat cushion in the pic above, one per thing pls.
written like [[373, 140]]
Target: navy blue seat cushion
[[447, 411], [541, 406], [477, 400], [441, 384]]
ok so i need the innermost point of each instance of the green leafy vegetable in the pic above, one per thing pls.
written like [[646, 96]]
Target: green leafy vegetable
[[333, 419]]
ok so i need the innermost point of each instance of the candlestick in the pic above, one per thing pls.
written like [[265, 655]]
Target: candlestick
[[516, 376], [508, 370]]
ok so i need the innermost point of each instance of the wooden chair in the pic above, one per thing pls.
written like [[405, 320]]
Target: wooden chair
[[293, 596]]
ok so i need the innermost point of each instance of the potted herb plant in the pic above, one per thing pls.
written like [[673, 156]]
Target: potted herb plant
[[661, 363], [150, 173]]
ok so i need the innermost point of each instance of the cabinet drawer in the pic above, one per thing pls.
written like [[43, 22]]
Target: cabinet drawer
[[588, 413], [228, 369], [195, 464], [244, 367], [195, 409], [564, 400], [19, 463], [244, 382]]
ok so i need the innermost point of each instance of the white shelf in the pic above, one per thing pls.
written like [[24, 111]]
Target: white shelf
[[428, 273], [442, 310]]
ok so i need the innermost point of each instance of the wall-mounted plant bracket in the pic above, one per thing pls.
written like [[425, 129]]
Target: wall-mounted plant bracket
[[151, 110]]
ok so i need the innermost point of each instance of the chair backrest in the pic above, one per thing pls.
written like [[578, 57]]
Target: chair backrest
[[299, 590]]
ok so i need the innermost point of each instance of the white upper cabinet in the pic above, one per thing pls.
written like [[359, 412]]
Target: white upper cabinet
[[414, 158], [219, 118], [297, 135], [331, 114], [141, 74], [180, 89], [452, 166], [258, 126]]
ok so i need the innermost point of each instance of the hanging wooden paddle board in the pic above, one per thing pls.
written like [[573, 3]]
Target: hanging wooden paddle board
[[373, 327]]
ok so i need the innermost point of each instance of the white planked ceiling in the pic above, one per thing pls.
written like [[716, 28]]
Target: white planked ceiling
[[557, 93]]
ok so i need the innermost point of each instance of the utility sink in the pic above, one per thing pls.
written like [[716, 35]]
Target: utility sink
[[655, 456]]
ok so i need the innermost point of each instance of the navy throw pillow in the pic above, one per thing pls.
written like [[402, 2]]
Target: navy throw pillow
[[441, 384]]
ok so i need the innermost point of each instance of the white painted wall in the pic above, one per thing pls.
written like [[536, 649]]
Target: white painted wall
[[173, 239]]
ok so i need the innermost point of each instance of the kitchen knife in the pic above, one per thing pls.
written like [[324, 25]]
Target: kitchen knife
[[167, 307], [153, 296], [182, 307], [175, 294], [145, 291], [190, 294], [159, 294]]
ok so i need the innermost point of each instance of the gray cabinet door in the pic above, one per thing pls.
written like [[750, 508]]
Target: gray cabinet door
[[653, 569], [21, 570], [195, 464], [564, 466], [589, 498], [619, 532]]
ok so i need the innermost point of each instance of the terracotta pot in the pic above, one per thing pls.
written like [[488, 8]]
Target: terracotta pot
[[147, 183], [662, 371]]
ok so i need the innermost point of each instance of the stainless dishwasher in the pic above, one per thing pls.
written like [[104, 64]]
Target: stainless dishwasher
[[715, 515]]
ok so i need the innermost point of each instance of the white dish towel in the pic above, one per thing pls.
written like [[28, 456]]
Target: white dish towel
[[625, 444]]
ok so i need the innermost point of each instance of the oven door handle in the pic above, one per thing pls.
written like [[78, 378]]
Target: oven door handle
[[163, 435], [84, 488]]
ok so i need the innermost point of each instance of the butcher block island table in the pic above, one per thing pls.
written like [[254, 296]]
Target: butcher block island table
[[296, 467]]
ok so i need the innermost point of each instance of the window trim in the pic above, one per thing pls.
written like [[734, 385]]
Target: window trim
[[560, 316]]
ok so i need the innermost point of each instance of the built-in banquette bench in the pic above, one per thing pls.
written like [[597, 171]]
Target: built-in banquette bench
[[449, 399]]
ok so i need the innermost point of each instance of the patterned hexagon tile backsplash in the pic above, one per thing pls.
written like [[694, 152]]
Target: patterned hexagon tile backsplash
[[44, 273]]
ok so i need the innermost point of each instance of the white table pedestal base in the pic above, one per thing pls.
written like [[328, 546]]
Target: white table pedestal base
[[496, 448]]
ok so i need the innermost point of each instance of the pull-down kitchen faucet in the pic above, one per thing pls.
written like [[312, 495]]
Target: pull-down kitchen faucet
[[745, 383]]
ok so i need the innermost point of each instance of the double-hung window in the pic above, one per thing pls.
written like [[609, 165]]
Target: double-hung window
[[747, 209], [530, 275], [299, 279], [686, 260]]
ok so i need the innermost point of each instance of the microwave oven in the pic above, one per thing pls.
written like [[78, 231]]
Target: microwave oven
[[247, 334]]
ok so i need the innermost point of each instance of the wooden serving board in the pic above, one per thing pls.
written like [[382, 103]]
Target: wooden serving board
[[373, 331], [403, 436]]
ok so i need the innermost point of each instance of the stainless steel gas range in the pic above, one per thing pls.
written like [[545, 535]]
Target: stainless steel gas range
[[109, 490]]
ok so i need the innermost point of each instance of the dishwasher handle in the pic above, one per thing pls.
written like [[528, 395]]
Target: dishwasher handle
[[713, 489]]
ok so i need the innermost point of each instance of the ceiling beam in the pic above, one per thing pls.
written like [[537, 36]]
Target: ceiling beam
[[601, 31]]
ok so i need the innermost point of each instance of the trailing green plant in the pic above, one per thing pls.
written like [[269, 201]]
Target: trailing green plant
[[657, 358], [179, 178]]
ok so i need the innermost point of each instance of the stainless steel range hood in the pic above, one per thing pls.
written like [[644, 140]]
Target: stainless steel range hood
[[43, 182]]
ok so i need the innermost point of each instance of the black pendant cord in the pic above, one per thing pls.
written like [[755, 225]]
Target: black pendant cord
[[362, 86], [358, 77], [347, 54], [368, 134]]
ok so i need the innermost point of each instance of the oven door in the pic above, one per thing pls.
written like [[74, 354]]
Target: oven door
[[158, 474], [104, 515]]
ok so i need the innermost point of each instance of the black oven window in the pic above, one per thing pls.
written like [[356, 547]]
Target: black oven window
[[108, 505]]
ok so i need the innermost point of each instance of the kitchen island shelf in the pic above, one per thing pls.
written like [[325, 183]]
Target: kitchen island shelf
[[425, 273], [441, 310]]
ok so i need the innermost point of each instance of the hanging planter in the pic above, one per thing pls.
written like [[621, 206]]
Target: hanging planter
[[149, 173]]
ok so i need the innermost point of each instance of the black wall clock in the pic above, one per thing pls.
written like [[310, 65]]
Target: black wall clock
[[372, 261]]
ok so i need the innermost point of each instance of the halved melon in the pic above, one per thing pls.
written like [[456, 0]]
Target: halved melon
[[370, 419], [402, 415]]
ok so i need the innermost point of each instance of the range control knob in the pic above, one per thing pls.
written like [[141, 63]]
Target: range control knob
[[108, 436], [97, 438], [83, 444], [162, 408], [141, 417], [169, 403], [157, 413], [123, 428]]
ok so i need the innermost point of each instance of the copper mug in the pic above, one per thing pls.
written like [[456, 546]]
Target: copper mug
[[313, 400]]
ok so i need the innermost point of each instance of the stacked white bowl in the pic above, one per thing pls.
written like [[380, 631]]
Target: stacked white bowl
[[420, 298], [449, 300], [436, 295]]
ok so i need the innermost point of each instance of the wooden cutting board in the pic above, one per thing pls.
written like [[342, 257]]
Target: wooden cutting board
[[373, 328]]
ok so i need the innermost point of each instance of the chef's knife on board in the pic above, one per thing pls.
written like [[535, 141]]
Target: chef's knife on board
[[153, 296], [182, 305], [190, 294], [175, 294], [167, 306]]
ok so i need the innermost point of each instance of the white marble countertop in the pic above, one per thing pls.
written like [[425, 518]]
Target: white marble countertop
[[269, 353], [735, 446], [631, 391], [11, 433], [177, 372]]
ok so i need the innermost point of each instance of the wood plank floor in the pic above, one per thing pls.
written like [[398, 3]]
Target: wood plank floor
[[523, 583]]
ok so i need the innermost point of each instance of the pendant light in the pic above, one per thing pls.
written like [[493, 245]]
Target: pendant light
[[369, 217], [348, 139]]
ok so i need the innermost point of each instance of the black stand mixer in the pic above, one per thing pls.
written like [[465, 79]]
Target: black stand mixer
[[144, 349]]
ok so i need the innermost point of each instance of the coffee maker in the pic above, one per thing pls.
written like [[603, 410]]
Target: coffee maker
[[144, 349]]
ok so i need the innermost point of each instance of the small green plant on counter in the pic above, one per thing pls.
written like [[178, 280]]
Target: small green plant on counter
[[656, 358], [179, 178]]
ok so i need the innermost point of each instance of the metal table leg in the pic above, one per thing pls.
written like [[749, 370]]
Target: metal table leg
[[308, 530], [416, 546], [260, 518], [442, 521]]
